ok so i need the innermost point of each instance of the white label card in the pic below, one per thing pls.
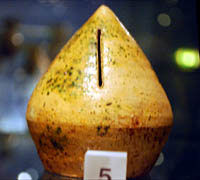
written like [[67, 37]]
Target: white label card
[[105, 165]]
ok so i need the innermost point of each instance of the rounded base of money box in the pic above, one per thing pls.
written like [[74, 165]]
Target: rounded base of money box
[[62, 147]]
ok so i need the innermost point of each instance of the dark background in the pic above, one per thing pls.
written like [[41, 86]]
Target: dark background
[[32, 33]]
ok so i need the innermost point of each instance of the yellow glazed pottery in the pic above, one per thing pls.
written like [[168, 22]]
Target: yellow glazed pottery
[[100, 93]]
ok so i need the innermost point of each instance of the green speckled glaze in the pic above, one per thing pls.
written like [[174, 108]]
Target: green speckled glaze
[[74, 76], [76, 65]]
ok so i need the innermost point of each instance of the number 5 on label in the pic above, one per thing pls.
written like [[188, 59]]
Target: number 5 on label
[[104, 174], [105, 165]]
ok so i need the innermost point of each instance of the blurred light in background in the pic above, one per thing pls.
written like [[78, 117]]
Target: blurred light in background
[[24, 176], [160, 160], [164, 19], [17, 39], [33, 172], [187, 59], [7, 125]]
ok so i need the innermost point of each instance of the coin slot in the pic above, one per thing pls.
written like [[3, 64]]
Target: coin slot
[[100, 82]]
